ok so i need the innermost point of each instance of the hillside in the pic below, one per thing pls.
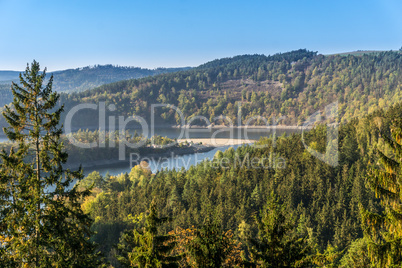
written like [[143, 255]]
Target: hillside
[[80, 79], [323, 202], [293, 85]]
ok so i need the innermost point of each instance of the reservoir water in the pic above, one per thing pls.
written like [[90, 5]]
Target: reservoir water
[[186, 161], [235, 133], [156, 164]]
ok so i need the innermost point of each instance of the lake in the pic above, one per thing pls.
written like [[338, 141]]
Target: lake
[[186, 161], [155, 165], [235, 133]]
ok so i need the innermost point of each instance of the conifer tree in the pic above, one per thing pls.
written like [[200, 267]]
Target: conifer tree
[[277, 245], [146, 247], [384, 230], [42, 224], [212, 247]]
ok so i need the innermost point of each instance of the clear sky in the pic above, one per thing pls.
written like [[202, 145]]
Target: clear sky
[[69, 34]]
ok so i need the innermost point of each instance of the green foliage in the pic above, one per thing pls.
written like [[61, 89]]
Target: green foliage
[[384, 229], [211, 246], [326, 198], [278, 243], [329, 258], [323, 201], [147, 248], [42, 224], [92, 180], [357, 255]]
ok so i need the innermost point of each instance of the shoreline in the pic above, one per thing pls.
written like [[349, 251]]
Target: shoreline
[[277, 127], [217, 142], [114, 162], [206, 146]]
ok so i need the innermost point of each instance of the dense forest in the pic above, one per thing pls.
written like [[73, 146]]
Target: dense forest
[[323, 203], [294, 84]]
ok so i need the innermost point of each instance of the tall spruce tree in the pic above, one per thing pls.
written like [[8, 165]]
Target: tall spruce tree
[[384, 230], [211, 246], [146, 247], [42, 224], [278, 244]]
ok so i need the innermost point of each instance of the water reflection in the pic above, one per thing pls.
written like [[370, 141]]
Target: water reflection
[[177, 162], [200, 133], [187, 160]]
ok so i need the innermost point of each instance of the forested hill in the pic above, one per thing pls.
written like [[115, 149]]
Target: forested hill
[[80, 79], [294, 84]]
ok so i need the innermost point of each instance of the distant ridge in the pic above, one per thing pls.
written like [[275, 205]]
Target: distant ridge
[[84, 78], [8, 76], [81, 79], [294, 84]]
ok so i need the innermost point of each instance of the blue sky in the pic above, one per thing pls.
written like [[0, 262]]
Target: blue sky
[[69, 34]]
